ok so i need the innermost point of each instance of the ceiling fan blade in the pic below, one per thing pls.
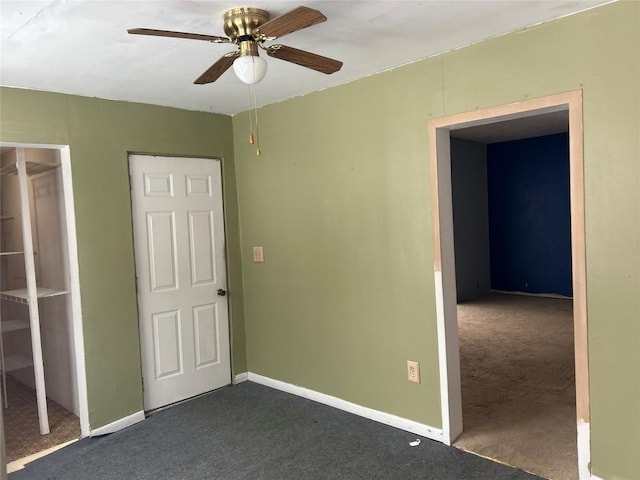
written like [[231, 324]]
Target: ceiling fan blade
[[169, 33], [214, 71], [296, 19], [305, 59]]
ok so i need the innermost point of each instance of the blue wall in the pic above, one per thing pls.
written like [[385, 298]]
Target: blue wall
[[529, 215]]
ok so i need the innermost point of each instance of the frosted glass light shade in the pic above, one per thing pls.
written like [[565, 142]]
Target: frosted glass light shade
[[250, 69]]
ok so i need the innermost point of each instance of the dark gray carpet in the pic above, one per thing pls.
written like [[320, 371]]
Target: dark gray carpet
[[251, 432]]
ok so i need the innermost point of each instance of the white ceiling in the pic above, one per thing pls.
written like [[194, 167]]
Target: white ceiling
[[82, 46]]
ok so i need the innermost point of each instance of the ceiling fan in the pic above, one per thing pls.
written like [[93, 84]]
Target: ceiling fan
[[249, 28]]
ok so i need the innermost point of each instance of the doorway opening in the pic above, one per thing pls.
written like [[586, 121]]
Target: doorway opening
[[490, 324], [44, 398]]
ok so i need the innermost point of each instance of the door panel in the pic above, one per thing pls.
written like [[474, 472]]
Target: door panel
[[180, 265], [167, 343], [161, 235], [206, 326], [158, 185], [200, 241], [198, 185]]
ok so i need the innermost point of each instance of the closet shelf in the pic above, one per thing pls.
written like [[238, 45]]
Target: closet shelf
[[4, 254], [33, 168], [14, 325], [6, 218], [16, 362], [21, 296]]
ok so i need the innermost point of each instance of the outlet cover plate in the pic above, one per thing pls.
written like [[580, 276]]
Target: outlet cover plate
[[413, 371]]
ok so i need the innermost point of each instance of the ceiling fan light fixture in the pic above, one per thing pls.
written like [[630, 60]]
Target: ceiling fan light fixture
[[250, 69], [248, 28]]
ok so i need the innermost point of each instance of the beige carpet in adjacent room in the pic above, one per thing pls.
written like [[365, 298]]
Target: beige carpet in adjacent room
[[518, 384], [22, 431]]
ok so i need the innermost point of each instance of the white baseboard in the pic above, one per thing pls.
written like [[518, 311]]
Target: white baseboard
[[241, 377], [117, 425], [375, 415]]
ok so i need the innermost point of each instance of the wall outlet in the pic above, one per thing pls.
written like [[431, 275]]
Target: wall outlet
[[258, 254], [413, 371]]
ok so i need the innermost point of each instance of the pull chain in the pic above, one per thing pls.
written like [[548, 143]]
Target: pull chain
[[253, 115], [251, 140], [255, 111]]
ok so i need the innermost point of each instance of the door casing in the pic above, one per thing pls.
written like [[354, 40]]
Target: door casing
[[444, 260], [74, 277]]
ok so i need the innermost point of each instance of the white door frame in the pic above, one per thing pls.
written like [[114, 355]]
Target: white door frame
[[444, 260], [74, 276]]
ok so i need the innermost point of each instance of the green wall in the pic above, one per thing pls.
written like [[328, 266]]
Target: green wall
[[100, 133], [340, 201]]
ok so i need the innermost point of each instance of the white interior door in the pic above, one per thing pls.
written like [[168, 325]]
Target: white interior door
[[181, 277]]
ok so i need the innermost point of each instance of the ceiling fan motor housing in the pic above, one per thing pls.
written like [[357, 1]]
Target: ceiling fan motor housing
[[239, 23]]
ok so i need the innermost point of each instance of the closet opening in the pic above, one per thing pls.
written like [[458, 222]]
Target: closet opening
[[44, 401]]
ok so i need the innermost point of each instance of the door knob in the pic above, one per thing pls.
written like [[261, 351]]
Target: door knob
[[222, 292]]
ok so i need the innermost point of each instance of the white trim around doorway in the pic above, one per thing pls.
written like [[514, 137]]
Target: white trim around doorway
[[74, 274]]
